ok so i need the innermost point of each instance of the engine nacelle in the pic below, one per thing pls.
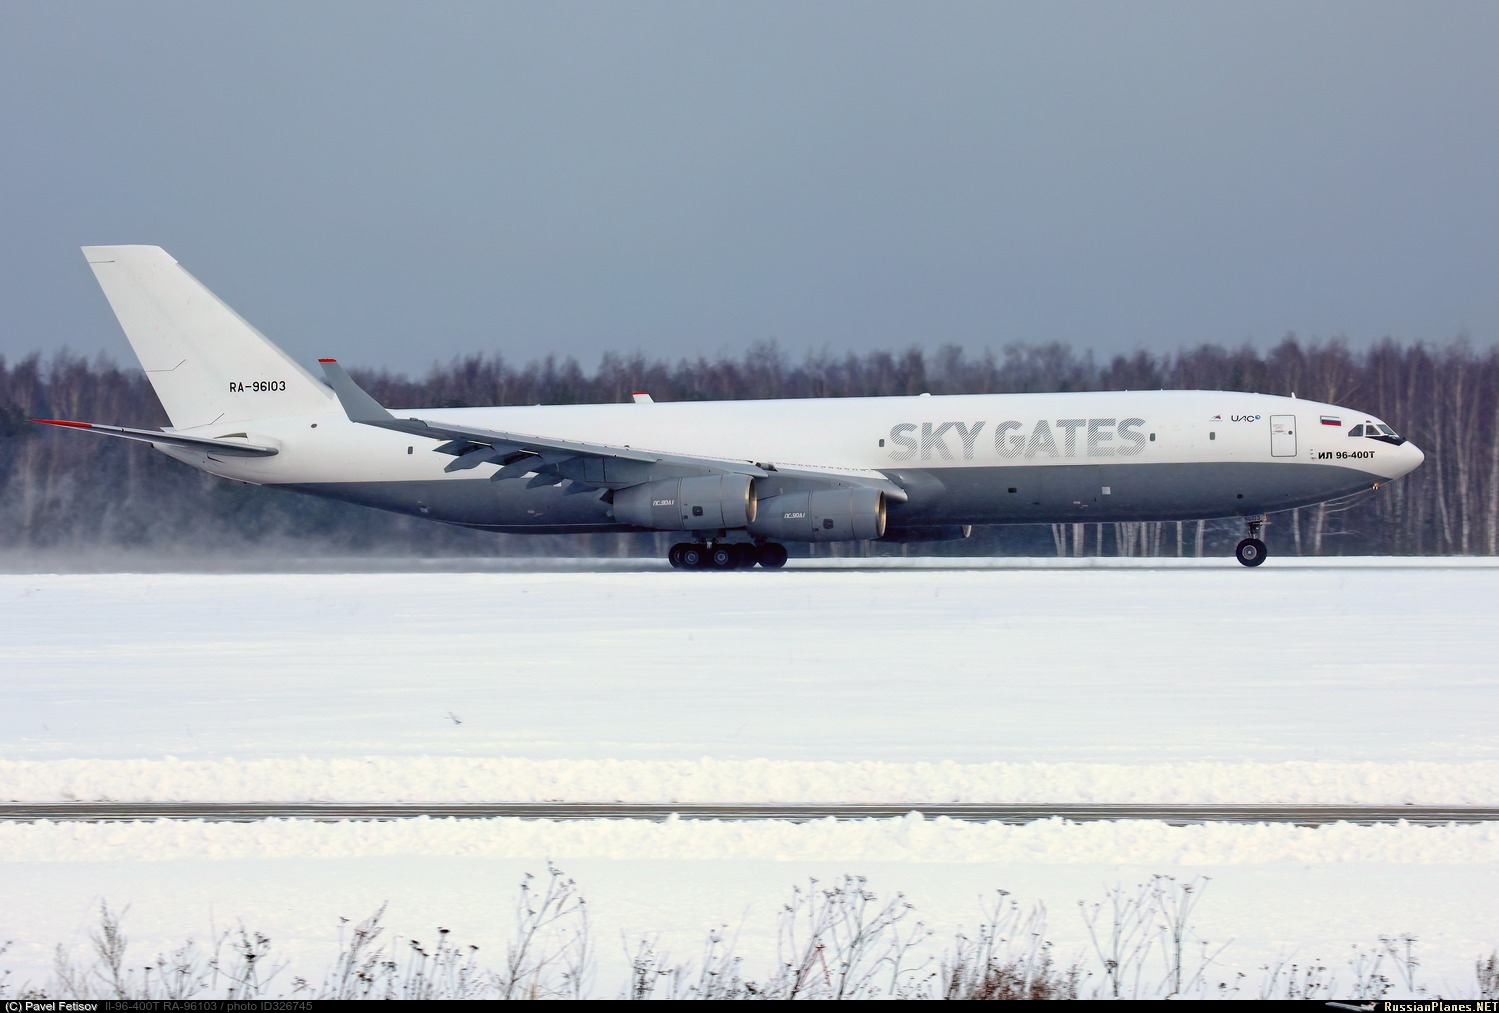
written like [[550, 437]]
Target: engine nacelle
[[688, 504], [832, 515]]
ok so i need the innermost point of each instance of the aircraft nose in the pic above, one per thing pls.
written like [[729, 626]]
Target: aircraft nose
[[1413, 457]]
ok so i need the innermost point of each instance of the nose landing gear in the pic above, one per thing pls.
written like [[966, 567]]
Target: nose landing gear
[[1251, 551]]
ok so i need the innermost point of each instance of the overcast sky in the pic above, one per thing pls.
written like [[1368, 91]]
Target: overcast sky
[[398, 183]]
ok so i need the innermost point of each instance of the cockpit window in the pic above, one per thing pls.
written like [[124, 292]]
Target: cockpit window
[[1377, 431]]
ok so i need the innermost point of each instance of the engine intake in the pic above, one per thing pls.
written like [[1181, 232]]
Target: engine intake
[[688, 504], [832, 515]]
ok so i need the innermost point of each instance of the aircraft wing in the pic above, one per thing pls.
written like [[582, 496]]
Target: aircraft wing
[[224, 448], [521, 453], [587, 465]]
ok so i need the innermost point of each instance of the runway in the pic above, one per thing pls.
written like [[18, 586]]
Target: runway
[[332, 812]]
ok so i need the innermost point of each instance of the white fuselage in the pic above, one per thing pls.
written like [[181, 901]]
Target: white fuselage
[[1096, 455]]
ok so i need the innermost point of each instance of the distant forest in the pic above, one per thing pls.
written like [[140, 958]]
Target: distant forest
[[63, 492]]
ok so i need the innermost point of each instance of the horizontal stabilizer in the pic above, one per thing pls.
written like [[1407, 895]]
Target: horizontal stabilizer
[[207, 445]]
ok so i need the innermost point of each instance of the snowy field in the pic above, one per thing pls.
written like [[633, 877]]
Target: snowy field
[[1360, 681]]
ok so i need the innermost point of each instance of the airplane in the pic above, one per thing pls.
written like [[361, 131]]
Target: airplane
[[735, 479]]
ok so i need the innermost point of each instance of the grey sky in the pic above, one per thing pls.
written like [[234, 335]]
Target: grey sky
[[397, 183]]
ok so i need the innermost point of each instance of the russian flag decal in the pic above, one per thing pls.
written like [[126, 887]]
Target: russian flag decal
[[1331, 420]]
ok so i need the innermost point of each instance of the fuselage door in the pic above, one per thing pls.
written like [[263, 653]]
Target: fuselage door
[[1282, 436]]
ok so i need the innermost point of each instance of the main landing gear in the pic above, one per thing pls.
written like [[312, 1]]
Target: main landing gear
[[1252, 551], [726, 556]]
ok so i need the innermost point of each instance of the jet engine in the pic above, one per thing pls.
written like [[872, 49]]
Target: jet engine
[[832, 515], [711, 502]]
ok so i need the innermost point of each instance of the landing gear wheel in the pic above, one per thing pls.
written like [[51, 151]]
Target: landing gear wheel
[[1251, 552], [674, 557], [724, 557], [771, 556], [694, 557]]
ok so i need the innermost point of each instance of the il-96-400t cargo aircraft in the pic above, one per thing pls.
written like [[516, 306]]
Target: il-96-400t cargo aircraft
[[736, 479]]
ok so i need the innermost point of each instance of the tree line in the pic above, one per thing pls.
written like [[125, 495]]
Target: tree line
[[70, 492]]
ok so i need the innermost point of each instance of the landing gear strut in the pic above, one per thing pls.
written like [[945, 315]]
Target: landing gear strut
[[1252, 551], [726, 556]]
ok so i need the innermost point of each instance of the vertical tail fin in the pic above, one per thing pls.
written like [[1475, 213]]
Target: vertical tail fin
[[205, 362]]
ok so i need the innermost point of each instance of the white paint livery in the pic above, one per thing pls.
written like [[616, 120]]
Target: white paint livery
[[739, 475]]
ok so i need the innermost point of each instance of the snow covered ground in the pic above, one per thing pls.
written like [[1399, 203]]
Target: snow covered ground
[[1302, 681]]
